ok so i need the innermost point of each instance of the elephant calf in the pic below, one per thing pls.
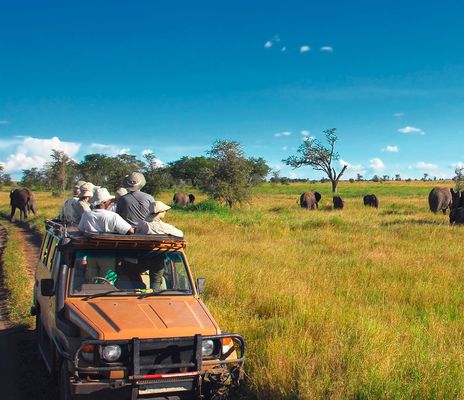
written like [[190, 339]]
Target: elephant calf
[[371, 200], [338, 202], [181, 199], [310, 200], [23, 199]]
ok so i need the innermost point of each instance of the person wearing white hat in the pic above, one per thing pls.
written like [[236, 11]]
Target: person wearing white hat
[[83, 205], [119, 193], [153, 224], [133, 206], [100, 220], [67, 213]]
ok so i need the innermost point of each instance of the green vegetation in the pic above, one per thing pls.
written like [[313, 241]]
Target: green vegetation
[[358, 304]]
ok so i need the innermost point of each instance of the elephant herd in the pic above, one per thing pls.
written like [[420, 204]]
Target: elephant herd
[[310, 200]]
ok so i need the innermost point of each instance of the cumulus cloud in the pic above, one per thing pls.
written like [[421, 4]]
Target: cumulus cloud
[[376, 164], [327, 49], [351, 167], [411, 130], [3, 122], [399, 114], [284, 133], [391, 149], [285, 148], [108, 149], [268, 44], [458, 165], [34, 152], [425, 166], [305, 133], [283, 49], [305, 49]]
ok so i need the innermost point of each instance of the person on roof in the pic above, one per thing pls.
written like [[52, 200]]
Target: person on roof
[[83, 204], [134, 206], [100, 220], [67, 213], [153, 224], [117, 195]]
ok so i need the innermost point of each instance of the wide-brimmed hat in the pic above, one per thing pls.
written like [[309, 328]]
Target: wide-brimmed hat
[[155, 208], [101, 195], [86, 190], [80, 183], [120, 192], [134, 181]]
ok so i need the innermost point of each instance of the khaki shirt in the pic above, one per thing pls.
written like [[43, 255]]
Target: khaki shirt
[[157, 227]]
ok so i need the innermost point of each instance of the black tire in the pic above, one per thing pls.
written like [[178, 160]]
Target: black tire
[[65, 389]]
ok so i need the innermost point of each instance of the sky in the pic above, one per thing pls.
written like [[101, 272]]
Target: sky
[[172, 77]]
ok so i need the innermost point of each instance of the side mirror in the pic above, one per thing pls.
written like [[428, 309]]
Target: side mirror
[[47, 287], [201, 285]]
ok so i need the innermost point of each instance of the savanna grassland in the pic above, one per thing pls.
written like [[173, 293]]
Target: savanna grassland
[[352, 304]]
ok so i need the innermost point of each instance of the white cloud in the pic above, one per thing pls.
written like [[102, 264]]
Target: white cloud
[[108, 149], [305, 49], [391, 149], [458, 165], [34, 152], [268, 44], [146, 151], [283, 49], [399, 114], [425, 166], [351, 167], [376, 164], [412, 130], [285, 148], [327, 49], [305, 133], [3, 122], [284, 133]]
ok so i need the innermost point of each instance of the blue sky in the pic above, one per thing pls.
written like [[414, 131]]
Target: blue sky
[[112, 76]]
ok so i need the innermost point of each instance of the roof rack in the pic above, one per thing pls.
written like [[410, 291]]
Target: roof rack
[[76, 237]]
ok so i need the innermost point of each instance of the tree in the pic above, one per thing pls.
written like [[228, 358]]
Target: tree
[[425, 177], [157, 176], [190, 169], [228, 180], [459, 179], [359, 177], [320, 157], [376, 178], [275, 176], [397, 177], [60, 171], [258, 170], [34, 179]]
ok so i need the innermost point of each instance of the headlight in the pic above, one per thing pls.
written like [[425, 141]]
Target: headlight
[[111, 353], [207, 347]]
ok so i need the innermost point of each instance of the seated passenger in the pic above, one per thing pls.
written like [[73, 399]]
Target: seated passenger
[[67, 213], [83, 205], [119, 193], [100, 220], [153, 224], [134, 206]]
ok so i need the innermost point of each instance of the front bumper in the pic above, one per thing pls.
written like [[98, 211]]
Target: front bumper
[[139, 379]]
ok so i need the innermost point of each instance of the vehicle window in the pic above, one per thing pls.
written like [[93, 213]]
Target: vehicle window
[[99, 271], [45, 248], [56, 265], [52, 250]]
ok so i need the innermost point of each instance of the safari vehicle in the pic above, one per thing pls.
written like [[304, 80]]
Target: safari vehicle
[[120, 317]]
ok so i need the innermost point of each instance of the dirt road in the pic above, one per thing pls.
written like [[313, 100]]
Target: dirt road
[[22, 375]]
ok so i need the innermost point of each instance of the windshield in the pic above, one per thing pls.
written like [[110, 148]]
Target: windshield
[[126, 272]]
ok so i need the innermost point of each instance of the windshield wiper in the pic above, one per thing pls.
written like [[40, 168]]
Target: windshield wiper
[[156, 293], [102, 294]]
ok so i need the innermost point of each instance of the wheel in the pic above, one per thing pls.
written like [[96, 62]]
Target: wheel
[[100, 278], [65, 389]]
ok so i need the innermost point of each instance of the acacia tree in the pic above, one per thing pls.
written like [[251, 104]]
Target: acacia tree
[[320, 157]]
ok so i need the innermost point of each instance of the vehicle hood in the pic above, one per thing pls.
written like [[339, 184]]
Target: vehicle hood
[[116, 319]]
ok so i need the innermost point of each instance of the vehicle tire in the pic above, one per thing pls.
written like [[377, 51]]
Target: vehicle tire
[[65, 389]]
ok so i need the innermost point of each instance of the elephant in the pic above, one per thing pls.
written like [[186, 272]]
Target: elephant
[[181, 199], [457, 208], [338, 202], [310, 199], [23, 199], [440, 199], [371, 200]]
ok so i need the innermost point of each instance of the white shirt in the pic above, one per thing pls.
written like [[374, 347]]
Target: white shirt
[[100, 220], [157, 227]]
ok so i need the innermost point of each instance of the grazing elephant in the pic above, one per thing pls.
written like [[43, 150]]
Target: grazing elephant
[[338, 202], [371, 200], [23, 199], [440, 199], [181, 199], [310, 199], [457, 208]]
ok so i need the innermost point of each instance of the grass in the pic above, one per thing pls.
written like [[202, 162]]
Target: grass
[[352, 304]]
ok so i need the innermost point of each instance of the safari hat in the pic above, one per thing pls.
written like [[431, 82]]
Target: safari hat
[[134, 181], [120, 192], [156, 208], [80, 183], [101, 195], [86, 190]]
